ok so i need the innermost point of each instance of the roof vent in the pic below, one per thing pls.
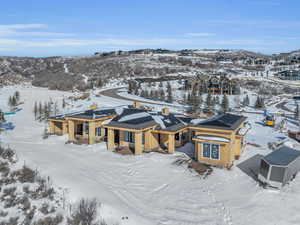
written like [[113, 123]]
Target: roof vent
[[136, 104], [165, 111]]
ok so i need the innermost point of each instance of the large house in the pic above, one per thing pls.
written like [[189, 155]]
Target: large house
[[289, 75], [218, 140]]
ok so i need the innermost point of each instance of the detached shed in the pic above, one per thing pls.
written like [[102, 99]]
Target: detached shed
[[279, 167]]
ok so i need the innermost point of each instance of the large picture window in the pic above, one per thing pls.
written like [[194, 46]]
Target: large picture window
[[129, 136], [211, 151]]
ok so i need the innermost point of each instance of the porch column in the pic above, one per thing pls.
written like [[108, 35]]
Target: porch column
[[171, 143], [110, 139], [65, 128], [147, 143], [92, 132], [71, 132], [51, 127], [138, 148]]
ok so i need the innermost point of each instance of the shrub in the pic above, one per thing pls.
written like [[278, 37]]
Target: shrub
[[85, 213], [50, 220]]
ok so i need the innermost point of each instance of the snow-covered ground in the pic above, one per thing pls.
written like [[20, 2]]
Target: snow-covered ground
[[149, 189]]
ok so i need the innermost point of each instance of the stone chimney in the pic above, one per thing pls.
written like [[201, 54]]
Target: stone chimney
[[136, 104], [165, 111]]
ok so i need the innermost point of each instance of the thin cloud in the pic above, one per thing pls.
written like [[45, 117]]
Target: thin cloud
[[13, 30], [200, 34]]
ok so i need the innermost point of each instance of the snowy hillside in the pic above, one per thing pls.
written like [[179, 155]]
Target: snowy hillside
[[150, 189]]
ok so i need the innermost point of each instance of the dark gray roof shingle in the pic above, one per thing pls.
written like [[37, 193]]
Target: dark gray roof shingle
[[282, 157]]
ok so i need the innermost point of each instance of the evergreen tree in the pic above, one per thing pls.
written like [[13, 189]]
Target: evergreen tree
[[162, 95], [160, 84], [46, 111], [143, 94], [169, 92], [63, 103], [35, 110], [40, 109], [13, 101], [17, 97], [259, 103], [208, 101], [297, 111], [225, 104], [218, 100], [130, 87]]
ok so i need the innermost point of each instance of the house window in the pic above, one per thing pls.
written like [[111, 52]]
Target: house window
[[98, 131], [211, 151], [86, 127], [143, 138], [129, 137], [177, 137]]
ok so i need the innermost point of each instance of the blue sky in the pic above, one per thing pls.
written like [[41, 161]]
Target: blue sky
[[77, 27]]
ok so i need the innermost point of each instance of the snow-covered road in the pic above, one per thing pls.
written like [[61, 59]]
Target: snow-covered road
[[148, 189]]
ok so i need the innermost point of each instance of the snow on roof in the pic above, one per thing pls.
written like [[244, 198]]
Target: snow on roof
[[134, 116], [119, 110], [196, 121], [212, 138], [158, 119]]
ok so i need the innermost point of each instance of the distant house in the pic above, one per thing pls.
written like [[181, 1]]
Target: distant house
[[218, 141], [279, 167], [289, 75]]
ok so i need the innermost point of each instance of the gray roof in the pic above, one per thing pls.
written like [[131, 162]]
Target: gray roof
[[132, 118], [225, 121], [88, 114], [282, 157]]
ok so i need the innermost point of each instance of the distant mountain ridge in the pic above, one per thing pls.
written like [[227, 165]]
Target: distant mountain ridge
[[66, 73]]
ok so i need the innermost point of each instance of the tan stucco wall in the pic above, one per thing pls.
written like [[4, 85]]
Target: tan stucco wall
[[225, 158]]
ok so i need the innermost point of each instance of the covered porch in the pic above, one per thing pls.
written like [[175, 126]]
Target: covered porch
[[86, 131], [58, 127]]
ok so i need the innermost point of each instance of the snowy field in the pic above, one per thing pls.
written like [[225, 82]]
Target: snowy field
[[149, 189]]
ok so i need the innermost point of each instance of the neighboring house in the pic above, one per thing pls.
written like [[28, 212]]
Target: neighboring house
[[218, 141], [289, 75]]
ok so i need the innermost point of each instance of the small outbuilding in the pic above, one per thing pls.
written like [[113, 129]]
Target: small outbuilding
[[279, 167]]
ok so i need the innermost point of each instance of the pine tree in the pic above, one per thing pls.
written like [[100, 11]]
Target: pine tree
[[130, 87], [169, 92], [63, 103], [17, 97], [40, 109], [259, 103], [208, 101], [35, 110], [162, 95], [160, 84], [13, 101], [46, 111], [297, 111], [225, 104], [217, 100]]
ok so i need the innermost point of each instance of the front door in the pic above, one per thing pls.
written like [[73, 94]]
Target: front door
[[117, 136]]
